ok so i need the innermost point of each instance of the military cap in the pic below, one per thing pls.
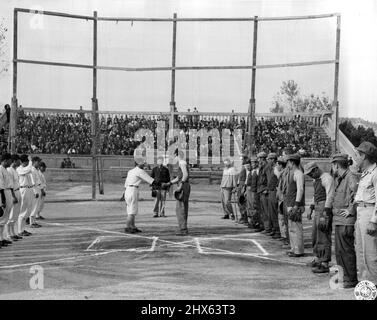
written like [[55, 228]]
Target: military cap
[[262, 155], [294, 156], [272, 155], [282, 159], [310, 166], [368, 148], [339, 157]]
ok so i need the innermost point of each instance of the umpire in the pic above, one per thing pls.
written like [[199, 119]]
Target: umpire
[[161, 174]]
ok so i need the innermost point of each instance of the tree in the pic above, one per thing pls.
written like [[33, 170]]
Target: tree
[[289, 99], [290, 90], [4, 62]]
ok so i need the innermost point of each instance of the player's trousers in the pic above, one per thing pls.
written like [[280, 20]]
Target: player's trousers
[[345, 252], [159, 204], [321, 241], [27, 196], [273, 211], [35, 204], [131, 197], [242, 206], [296, 234], [282, 217], [8, 207], [264, 212], [16, 208], [181, 208], [41, 205], [253, 207], [226, 197], [366, 246]]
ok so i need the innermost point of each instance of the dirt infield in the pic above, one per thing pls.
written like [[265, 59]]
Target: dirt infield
[[85, 254]]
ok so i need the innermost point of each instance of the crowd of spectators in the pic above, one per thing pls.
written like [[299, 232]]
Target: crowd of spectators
[[59, 133]]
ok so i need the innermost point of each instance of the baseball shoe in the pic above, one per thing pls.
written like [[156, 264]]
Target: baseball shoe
[[321, 269], [182, 233], [35, 225], [129, 230], [40, 218], [225, 217], [14, 238], [232, 217], [162, 215], [4, 243], [276, 236], [295, 255], [26, 233], [349, 285], [27, 221], [136, 230], [155, 215]]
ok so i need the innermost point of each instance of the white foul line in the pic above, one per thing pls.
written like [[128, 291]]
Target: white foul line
[[260, 247]]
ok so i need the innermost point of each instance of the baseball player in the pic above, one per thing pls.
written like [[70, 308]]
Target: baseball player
[[131, 195], [295, 201], [7, 185], [322, 206], [344, 217], [228, 183], [263, 192], [15, 211], [272, 183], [366, 224], [27, 193], [42, 169], [281, 173], [37, 191]]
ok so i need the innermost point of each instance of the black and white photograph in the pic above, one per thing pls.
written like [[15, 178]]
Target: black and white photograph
[[199, 152]]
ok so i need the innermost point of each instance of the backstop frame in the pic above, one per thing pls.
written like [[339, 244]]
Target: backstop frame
[[173, 68]]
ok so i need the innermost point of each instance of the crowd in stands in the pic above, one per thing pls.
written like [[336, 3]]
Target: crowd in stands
[[66, 133]]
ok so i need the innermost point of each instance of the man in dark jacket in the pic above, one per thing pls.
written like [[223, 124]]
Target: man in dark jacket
[[161, 174]]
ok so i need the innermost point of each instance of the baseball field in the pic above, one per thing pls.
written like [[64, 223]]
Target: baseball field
[[81, 252]]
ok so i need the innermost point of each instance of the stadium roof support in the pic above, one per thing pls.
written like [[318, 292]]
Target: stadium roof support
[[173, 68]]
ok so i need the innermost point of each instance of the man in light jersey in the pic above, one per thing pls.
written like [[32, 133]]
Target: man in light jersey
[[27, 193], [37, 190], [6, 161], [15, 211], [42, 169]]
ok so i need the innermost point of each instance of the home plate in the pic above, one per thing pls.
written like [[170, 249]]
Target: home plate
[[230, 246], [122, 243]]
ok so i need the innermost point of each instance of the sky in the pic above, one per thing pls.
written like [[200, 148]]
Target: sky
[[146, 44]]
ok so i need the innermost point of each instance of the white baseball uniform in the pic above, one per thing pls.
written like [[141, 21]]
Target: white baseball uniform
[[7, 185], [26, 190], [134, 177], [15, 211], [37, 190]]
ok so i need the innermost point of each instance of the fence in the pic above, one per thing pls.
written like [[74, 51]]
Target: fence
[[173, 68]]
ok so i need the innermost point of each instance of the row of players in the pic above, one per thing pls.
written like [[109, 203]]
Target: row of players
[[22, 192], [271, 196]]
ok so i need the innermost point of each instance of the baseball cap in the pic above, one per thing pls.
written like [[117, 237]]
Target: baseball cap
[[339, 157], [293, 156], [367, 148], [310, 166]]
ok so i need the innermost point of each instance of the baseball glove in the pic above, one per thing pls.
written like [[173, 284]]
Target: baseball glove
[[295, 215]]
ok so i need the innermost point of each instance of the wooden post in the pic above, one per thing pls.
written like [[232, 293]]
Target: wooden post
[[336, 85], [172, 99], [94, 109], [252, 98], [14, 104]]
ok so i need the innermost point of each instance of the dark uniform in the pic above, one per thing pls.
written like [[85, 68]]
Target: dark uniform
[[241, 192], [344, 193], [253, 204], [322, 204], [272, 183], [262, 191]]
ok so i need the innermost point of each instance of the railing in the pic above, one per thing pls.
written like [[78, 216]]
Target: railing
[[316, 118]]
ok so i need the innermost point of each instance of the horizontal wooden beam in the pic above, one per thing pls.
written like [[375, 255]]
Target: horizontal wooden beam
[[167, 113], [56, 64], [56, 14], [84, 17]]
